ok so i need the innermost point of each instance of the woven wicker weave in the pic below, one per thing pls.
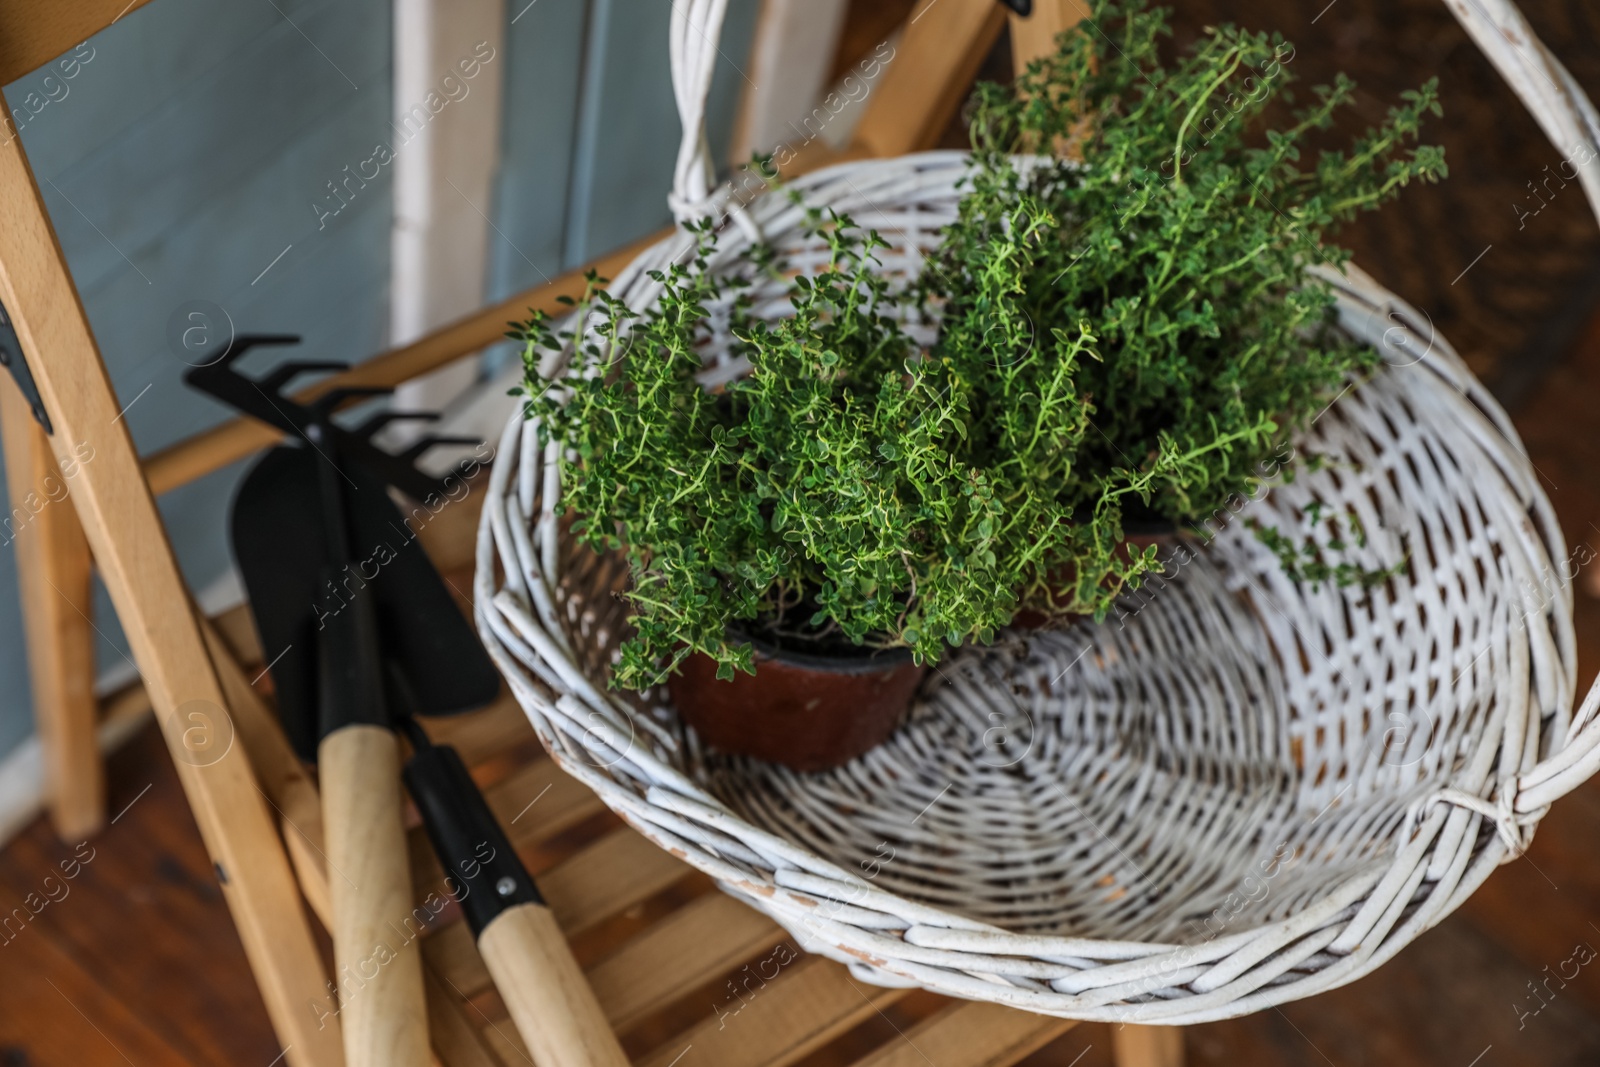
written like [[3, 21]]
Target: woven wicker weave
[[1238, 791]]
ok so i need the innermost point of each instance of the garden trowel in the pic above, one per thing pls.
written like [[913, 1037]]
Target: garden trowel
[[339, 585]]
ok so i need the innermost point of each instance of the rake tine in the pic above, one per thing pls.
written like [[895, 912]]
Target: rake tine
[[328, 402], [282, 376], [218, 377], [264, 399], [384, 418], [415, 452], [244, 343]]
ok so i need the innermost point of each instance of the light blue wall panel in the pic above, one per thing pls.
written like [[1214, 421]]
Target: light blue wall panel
[[628, 128], [205, 38], [544, 62], [591, 132], [183, 157], [231, 124], [186, 155]]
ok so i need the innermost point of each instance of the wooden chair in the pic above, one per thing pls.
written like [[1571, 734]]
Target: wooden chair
[[670, 959]]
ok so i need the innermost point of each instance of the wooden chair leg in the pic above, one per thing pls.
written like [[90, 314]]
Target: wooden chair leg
[[282, 777], [130, 546], [1147, 1046], [928, 74], [1035, 35], [54, 573]]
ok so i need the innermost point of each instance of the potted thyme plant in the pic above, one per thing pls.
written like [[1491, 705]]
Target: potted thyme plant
[[1175, 233], [1121, 340], [828, 514]]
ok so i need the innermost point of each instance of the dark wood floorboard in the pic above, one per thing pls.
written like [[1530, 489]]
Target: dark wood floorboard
[[140, 941], [57, 1011]]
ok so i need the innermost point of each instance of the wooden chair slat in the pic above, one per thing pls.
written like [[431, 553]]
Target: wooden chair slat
[[279, 774], [456, 1041], [451, 953], [55, 582], [811, 1002], [1147, 1046], [970, 1035], [507, 1043], [539, 801], [483, 734], [696, 944], [927, 75], [237, 628], [1034, 37], [607, 878], [692, 946]]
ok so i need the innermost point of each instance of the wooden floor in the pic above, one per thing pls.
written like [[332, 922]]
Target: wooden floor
[[133, 958]]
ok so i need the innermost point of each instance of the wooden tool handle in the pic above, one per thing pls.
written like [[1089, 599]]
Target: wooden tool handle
[[547, 995], [375, 938]]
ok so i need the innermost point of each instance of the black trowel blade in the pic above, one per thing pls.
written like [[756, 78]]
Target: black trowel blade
[[280, 546]]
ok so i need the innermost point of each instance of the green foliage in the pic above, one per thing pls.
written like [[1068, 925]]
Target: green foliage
[[1180, 244], [1128, 337], [834, 493]]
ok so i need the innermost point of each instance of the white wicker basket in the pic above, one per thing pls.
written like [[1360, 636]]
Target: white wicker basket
[[1242, 792]]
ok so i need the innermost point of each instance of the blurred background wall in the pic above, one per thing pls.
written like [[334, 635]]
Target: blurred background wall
[[220, 165]]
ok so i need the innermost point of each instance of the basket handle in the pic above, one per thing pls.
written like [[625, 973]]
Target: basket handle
[[1540, 81], [1568, 119], [695, 30]]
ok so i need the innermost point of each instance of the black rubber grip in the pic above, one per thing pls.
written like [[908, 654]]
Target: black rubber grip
[[484, 872]]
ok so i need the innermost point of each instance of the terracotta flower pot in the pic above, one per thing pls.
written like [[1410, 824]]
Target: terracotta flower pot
[[807, 712]]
